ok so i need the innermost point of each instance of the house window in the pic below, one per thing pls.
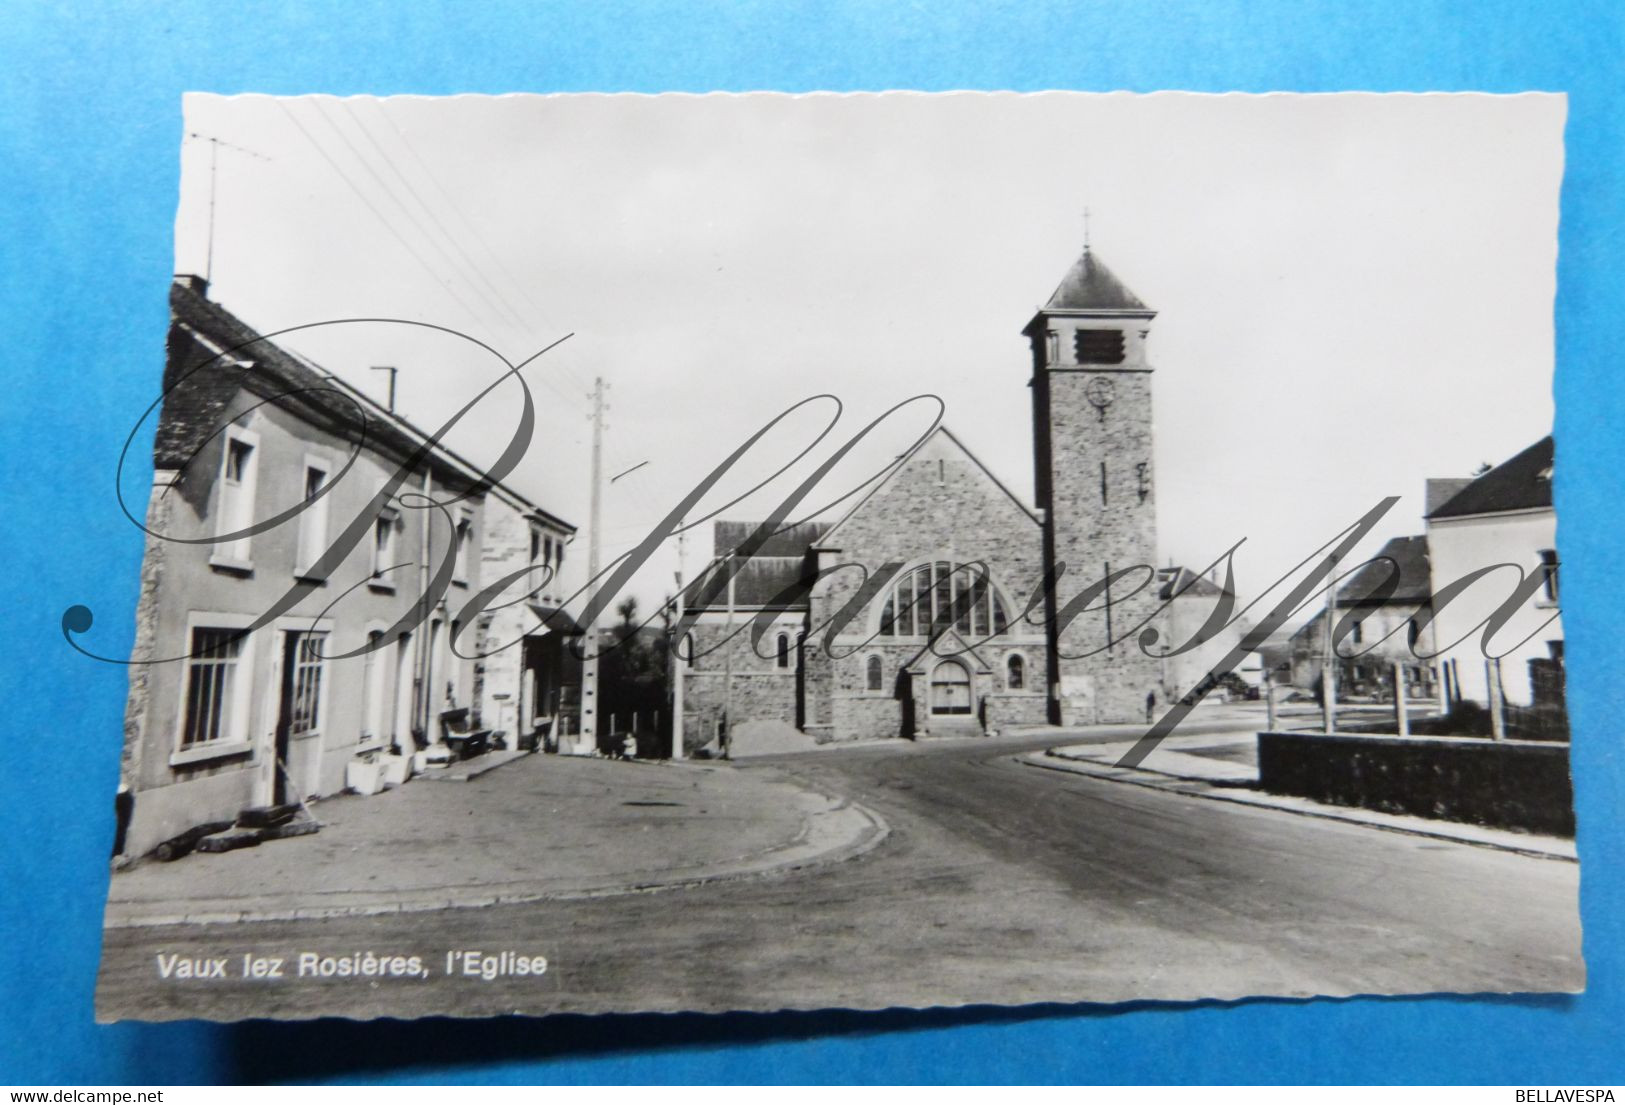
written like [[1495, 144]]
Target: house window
[[873, 676], [541, 548], [1548, 570], [465, 543], [305, 712], [1357, 633], [313, 518], [1413, 634], [383, 546], [213, 675], [238, 469], [1098, 346], [935, 596], [783, 658], [1015, 672]]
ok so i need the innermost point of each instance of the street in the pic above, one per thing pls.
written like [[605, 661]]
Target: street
[[999, 883]]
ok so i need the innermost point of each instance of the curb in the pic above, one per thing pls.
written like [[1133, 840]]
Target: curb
[[839, 831], [1201, 788]]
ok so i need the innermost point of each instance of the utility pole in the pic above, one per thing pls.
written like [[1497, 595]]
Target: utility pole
[[1402, 709], [1328, 657], [589, 669], [678, 661], [728, 668], [1497, 697]]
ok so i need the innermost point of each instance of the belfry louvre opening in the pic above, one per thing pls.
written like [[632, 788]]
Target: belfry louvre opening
[[1099, 346]]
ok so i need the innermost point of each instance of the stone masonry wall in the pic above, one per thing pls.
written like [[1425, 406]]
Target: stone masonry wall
[[761, 691], [940, 506], [1101, 512]]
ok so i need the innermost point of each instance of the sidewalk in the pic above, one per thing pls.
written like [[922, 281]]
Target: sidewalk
[[540, 827], [1224, 766]]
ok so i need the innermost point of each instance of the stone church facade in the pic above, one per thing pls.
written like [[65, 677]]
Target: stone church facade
[[941, 603]]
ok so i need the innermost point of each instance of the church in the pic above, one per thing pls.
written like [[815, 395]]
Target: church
[[941, 603]]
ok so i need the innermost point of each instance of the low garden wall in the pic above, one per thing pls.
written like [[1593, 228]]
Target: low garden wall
[[1506, 784]]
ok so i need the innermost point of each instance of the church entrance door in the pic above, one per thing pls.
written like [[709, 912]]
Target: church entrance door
[[950, 689]]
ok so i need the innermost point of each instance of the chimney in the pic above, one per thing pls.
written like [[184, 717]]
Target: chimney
[[193, 283], [1437, 492]]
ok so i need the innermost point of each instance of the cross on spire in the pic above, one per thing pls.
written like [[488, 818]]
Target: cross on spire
[[1086, 228]]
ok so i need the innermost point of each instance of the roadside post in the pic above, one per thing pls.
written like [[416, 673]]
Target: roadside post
[[1402, 713]]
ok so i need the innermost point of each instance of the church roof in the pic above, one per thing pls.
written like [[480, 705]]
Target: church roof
[[1183, 581], [1522, 483], [1090, 286], [778, 574], [787, 540], [1407, 555], [825, 541]]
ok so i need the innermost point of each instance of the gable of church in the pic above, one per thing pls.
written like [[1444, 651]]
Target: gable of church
[[941, 504]]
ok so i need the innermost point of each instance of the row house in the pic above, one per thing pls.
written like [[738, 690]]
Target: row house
[[530, 669], [1385, 607], [281, 629], [1503, 516]]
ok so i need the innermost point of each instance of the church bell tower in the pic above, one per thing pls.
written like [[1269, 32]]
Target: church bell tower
[[1092, 445]]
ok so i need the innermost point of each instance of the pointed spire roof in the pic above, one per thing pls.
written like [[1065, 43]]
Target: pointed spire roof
[[1090, 286]]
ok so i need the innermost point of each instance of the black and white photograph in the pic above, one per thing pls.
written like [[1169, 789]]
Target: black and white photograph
[[655, 553]]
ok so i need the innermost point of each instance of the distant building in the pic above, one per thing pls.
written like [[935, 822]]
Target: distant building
[[1387, 625], [1191, 600], [1504, 516]]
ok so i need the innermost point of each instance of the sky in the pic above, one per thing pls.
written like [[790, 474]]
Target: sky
[[1354, 291]]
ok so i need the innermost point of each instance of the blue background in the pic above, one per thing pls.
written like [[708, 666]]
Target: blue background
[[90, 132]]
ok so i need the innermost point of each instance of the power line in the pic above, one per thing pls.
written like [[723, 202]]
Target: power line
[[417, 224], [450, 238], [502, 303], [396, 234], [474, 233], [362, 196], [512, 282]]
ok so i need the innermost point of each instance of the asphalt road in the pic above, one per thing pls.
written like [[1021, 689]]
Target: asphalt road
[[1000, 883]]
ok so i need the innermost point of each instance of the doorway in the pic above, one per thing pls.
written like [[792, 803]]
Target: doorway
[[950, 689], [299, 711]]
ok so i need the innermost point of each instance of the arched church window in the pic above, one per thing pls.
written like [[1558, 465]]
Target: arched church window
[[1015, 672], [873, 676], [784, 650], [935, 597]]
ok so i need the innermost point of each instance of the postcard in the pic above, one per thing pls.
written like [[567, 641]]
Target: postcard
[[756, 552]]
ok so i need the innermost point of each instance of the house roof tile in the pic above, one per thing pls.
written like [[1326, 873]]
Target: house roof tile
[[1522, 483], [1410, 556]]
